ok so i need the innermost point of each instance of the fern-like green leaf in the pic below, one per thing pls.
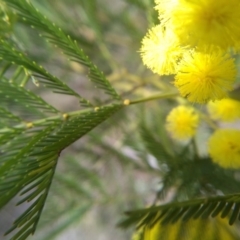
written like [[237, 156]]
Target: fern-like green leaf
[[223, 206], [32, 157], [12, 55], [56, 36], [24, 100], [7, 118]]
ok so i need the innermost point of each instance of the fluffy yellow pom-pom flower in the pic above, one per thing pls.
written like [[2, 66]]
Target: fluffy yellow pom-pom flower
[[224, 148], [182, 122], [206, 75], [226, 110], [160, 51], [205, 22], [164, 7]]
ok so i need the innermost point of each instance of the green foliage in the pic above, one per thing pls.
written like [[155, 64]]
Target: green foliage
[[33, 164], [56, 36], [30, 149], [192, 209], [194, 176]]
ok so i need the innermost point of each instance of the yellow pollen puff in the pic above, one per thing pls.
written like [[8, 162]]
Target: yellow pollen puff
[[224, 148], [205, 75], [226, 110], [161, 51], [182, 122], [205, 22], [164, 7]]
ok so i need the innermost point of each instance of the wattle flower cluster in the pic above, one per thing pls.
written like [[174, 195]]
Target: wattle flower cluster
[[194, 41]]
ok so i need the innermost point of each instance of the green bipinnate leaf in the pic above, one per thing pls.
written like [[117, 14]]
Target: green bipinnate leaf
[[56, 36], [33, 132], [32, 157], [223, 206]]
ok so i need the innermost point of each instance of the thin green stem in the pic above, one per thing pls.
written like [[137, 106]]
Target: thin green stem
[[66, 116], [24, 81], [155, 97], [28, 76], [62, 117]]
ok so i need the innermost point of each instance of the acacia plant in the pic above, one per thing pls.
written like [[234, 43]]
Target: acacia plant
[[170, 120]]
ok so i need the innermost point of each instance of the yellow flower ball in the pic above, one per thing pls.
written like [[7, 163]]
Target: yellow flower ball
[[205, 22], [224, 148], [182, 122], [164, 7], [160, 51], [226, 110], [205, 75]]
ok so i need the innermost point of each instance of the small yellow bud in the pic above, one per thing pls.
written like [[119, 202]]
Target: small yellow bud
[[29, 125], [126, 102], [65, 116]]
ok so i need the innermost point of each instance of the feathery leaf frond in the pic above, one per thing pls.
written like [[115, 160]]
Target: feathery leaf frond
[[32, 157], [57, 37], [224, 206], [7, 118], [12, 55], [24, 100]]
